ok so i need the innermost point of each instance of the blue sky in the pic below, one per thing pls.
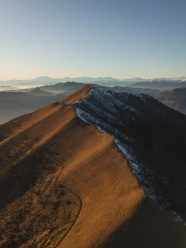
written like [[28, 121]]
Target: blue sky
[[116, 38]]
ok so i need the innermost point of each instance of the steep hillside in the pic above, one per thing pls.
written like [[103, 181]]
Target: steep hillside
[[148, 228], [64, 183], [53, 167], [149, 134]]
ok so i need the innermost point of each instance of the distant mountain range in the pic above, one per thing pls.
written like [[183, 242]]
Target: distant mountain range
[[48, 80], [159, 83]]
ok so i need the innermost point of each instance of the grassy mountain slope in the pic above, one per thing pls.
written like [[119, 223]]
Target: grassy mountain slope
[[59, 174], [64, 183]]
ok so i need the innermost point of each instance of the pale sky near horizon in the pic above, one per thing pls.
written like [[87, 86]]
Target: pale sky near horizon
[[74, 38]]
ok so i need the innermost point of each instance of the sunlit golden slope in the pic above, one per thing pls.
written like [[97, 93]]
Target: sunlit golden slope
[[99, 174], [63, 183], [55, 167]]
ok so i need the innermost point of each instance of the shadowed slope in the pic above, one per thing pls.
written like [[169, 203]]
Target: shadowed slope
[[175, 99], [150, 227], [150, 135]]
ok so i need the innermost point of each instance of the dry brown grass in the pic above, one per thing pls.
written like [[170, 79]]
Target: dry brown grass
[[110, 194], [51, 163]]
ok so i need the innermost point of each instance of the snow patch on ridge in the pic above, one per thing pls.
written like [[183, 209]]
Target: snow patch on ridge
[[101, 125], [142, 173], [139, 170], [103, 108]]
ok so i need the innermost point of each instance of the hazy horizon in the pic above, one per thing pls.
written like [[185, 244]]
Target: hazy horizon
[[84, 77]]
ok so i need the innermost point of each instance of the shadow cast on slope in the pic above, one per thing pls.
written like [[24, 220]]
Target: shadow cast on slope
[[150, 227]]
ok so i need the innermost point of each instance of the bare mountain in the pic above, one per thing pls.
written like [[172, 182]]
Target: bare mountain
[[138, 124], [97, 169], [175, 99], [39, 92]]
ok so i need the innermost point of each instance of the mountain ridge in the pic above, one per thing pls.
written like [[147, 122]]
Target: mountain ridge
[[101, 108], [74, 182]]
